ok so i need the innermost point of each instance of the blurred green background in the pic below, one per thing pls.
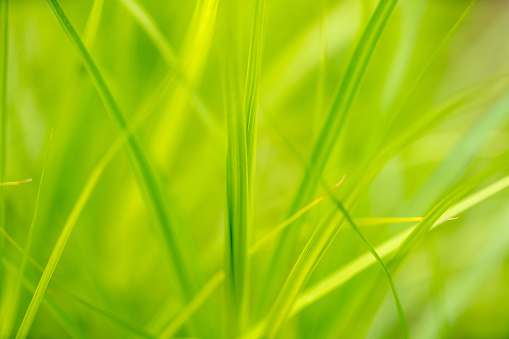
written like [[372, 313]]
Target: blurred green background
[[454, 284]]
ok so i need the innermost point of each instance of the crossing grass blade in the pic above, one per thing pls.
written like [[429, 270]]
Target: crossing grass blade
[[388, 247], [70, 326], [109, 315], [142, 168], [337, 113], [399, 307], [152, 30], [93, 21], [218, 278], [59, 247]]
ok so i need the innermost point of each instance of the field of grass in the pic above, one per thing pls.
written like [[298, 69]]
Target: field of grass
[[254, 169]]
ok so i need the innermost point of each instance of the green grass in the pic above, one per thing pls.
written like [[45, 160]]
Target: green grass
[[290, 169]]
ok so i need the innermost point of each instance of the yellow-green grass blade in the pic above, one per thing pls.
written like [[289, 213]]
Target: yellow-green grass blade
[[464, 151], [331, 129], [15, 183], [300, 57], [153, 31], [59, 248], [186, 313], [402, 106], [193, 56], [399, 307], [326, 233], [250, 112], [109, 315], [388, 247], [142, 168], [410, 24], [394, 148], [70, 326], [91, 183], [93, 21], [251, 94], [218, 278], [391, 220], [3, 120], [9, 317], [418, 233], [189, 65], [279, 228], [484, 264]]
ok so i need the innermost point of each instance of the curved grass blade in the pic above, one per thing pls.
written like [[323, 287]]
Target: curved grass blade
[[144, 173], [399, 307], [348, 271], [331, 129]]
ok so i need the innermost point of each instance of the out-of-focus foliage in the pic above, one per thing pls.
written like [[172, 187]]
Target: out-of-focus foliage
[[185, 132]]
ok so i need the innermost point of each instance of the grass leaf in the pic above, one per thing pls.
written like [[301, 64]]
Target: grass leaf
[[140, 164]]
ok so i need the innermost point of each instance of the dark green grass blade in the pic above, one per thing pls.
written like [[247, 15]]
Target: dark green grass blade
[[237, 188], [140, 164], [331, 130], [399, 307]]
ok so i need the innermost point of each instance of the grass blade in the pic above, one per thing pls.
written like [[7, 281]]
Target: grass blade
[[15, 183], [59, 248], [152, 30], [3, 121], [109, 315], [238, 195], [92, 25], [10, 318], [399, 307], [347, 272], [388, 221], [332, 127], [70, 326], [218, 278], [144, 172]]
